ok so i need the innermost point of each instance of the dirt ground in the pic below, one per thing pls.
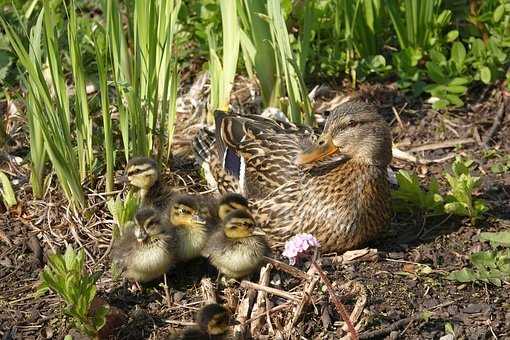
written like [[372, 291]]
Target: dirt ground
[[408, 295]]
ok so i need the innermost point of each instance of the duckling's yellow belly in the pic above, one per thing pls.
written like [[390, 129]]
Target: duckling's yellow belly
[[147, 264], [190, 243], [237, 262]]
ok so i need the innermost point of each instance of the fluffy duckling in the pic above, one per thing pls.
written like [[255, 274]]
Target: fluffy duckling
[[146, 249], [191, 226], [212, 323], [143, 173], [239, 248], [230, 202]]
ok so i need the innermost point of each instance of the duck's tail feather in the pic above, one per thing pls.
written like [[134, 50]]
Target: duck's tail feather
[[204, 145]]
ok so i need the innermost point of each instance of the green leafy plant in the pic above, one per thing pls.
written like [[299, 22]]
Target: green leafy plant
[[65, 275], [223, 71], [410, 195], [460, 200], [123, 209], [502, 165], [6, 191], [491, 266], [448, 85]]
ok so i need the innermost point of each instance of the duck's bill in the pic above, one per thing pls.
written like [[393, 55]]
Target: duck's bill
[[123, 179], [316, 153], [198, 219]]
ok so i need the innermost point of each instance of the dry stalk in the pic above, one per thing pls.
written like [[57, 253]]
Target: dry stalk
[[304, 300], [270, 290], [287, 268], [339, 306], [243, 312], [260, 304], [356, 288], [208, 292]]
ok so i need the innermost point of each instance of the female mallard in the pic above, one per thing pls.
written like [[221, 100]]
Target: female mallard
[[334, 186]]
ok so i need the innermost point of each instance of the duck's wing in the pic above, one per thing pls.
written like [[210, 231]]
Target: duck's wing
[[123, 247], [256, 152]]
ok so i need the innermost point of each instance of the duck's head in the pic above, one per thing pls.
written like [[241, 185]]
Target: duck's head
[[214, 319], [185, 212], [148, 225], [142, 172], [230, 202], [354, 130], [240, 224]]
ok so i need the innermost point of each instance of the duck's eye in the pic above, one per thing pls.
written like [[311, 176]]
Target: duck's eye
[[321, 142], [180, 211], [352, 124]]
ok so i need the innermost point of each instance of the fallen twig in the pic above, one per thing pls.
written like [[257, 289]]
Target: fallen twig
[[269, 311], [406, 156], [442, 145], [304, 300], [356, 288], [339, 306], [270, 290], [243, 310], [498, 119], [260, 304], [208, 293], [386, 330], [287, 268]]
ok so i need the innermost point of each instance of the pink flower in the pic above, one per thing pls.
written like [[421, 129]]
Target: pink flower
[[298, 245]]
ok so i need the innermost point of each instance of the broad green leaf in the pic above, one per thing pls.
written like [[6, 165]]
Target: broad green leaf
[[458, 54], [485, 75], [501, 238], [8, 195], [463, 275], [440, 104], [458, 81], [456, 208], [452, 36], [498, 13], [448, 328], [484, 259], [435, 72]]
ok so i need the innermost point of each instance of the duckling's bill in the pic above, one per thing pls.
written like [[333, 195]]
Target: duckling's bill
[[198, 220], [320, 150]]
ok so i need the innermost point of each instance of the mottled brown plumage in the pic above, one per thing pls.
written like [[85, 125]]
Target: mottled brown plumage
[[334, 186]]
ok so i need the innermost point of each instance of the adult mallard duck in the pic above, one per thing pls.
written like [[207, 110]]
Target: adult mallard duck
[[333, 186]]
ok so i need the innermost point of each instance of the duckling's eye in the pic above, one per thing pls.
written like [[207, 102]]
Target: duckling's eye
[[352, 124]]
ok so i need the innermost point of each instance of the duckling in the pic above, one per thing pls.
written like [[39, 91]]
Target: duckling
[[191, 226], [213, 321], [143, 173], [146, 249], [239, 248], [230, 202]]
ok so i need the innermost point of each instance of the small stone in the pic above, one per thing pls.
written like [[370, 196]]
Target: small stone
[[474, 308], [396, 255], [394, 335], [447, 337]]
